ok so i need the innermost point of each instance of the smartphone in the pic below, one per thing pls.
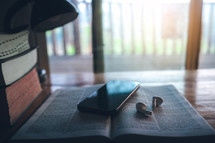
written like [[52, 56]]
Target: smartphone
[[109, 98]]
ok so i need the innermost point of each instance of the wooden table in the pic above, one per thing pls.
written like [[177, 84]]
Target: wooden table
[[197, 86]]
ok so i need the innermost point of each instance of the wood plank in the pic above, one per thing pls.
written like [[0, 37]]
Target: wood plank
[[122, 29], [133, 50], [84, 63], [65, 39], [76, 33], [54, 43], [194, 34], [111, 28], [97, 36], [154, 43], [210, 27], [43, 59], [142, 30]]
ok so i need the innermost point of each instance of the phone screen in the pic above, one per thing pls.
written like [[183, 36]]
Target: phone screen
[[109, 98]]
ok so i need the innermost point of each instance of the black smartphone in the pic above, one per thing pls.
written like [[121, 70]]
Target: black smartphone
[[109, 98]]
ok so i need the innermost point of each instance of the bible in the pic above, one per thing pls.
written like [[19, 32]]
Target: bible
[[16, 98], [58, 120]]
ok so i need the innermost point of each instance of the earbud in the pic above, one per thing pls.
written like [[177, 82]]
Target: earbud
[[156, 101], [142, 108]]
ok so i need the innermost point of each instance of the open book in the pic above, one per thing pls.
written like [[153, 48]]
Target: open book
[[58, 120]]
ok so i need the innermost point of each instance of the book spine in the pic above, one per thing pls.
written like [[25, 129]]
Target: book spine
[[12, 45], [13, 70], [20, 95], [14, 91], [27, 90]]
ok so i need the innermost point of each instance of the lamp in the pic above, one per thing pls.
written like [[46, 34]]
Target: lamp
[[45, 15], [49, 14]]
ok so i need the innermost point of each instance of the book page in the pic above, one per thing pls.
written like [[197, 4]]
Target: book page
[[174, 118], [58, 118]]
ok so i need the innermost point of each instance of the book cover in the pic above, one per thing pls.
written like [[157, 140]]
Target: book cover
[[16, 98], [58, 120]]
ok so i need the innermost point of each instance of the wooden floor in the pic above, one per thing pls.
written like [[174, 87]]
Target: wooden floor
[[78, 70], [115, 63]]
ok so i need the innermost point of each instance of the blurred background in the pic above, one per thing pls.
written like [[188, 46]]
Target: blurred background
[[137, 35]]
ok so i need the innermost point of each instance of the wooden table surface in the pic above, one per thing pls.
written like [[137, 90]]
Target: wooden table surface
[[198, 86]]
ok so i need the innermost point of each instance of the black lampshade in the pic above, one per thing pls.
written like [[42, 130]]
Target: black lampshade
[[49, 14], [45, 15]]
